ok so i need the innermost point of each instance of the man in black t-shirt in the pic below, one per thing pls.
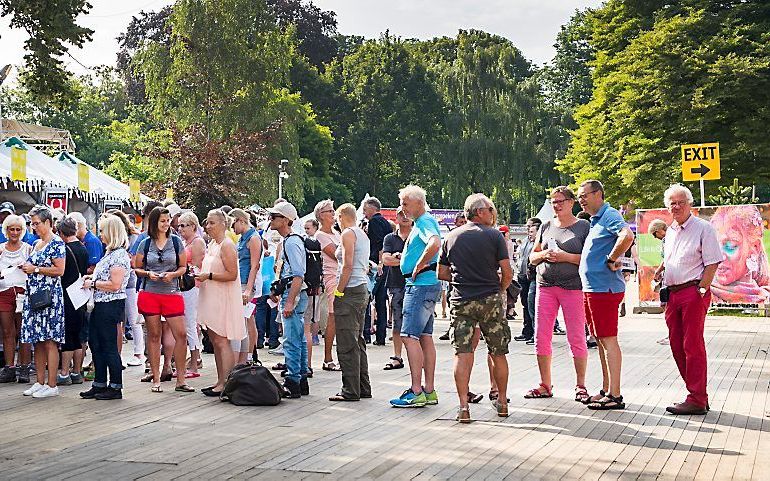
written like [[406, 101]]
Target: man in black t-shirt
[[393, 246], [377, 227], [471, 258]]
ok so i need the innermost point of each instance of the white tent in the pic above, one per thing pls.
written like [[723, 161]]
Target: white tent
[[41, 169], [546, 212], [101, 184]]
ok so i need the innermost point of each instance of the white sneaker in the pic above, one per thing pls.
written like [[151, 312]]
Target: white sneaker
[[664, 341], [278, 351], [135, 361], [47, 391], [33, 389]]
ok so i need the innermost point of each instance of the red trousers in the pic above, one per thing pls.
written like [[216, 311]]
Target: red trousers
[[685, 317]]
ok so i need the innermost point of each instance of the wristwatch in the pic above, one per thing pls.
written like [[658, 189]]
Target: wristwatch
[[609, 261], [37, 270], [702, 290]]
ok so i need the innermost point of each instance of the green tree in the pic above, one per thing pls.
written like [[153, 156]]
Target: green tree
[[50, 24], [687, 72]]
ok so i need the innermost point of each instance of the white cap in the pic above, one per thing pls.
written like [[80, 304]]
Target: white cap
[[173, 210], [285, 209]]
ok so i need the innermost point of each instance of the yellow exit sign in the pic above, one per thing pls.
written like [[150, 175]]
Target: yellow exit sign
[[700, 162]]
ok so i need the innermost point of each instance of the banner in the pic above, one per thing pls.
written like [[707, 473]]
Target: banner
[[743, 277], [56, 198], [83, 178], [442, 216], [169, 193], [18, 163], [133, 186]]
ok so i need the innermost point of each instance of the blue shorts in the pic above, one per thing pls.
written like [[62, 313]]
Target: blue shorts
[[419, 308]]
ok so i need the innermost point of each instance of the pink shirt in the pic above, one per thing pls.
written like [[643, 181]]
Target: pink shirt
[[329, 262], [688, 249]]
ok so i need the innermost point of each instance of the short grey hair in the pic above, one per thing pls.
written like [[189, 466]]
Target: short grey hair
[[16, 220], [374, 202], [42, 212], [413, 192], [474, 202], [79, 219], [320, 206], [676, 189], [656, 225], [67, 227], [594, 185]]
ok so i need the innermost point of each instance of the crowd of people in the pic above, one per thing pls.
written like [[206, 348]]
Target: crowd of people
[[235, 284]]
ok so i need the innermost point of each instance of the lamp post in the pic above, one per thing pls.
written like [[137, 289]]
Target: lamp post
[[282, 174], [3, 75]]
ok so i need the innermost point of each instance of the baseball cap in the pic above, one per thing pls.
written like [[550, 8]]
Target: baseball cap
[[173, 210], [285, 209], [7, 207], [503, 229]]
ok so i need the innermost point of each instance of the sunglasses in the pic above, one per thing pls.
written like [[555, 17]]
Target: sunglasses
[[277, 216], [182, 226], [160, 257]]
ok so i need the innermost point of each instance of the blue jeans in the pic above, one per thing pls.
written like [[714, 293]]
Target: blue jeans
[[294, 343], [265, 317], [380, 296], [104, 328], [419, 310]]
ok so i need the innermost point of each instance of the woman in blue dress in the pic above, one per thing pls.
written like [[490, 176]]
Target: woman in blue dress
[[44, 326]]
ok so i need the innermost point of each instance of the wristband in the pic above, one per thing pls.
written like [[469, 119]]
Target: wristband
[[211, 276], [338, 293]]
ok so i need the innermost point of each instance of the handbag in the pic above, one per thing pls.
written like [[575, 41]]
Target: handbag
[[40, 299], [187, 280], [251, 384]]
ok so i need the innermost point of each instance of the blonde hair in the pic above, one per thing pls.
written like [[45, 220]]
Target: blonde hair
[[114, 232], [348, 211], [321, 206], [17, 220], [656, 225], [240, 214], [221, 215], [189, 218]]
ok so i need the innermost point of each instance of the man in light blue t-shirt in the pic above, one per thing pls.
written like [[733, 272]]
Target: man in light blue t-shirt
[[419, 263]]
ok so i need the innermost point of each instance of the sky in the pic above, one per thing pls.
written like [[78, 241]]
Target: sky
[[531, 25]]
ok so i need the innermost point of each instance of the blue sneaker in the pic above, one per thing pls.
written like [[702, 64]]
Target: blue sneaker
[[409, 400]]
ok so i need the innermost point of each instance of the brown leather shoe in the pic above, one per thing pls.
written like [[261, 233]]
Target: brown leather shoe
[[686, 408]]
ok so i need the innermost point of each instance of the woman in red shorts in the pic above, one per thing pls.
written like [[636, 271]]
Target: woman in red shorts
[[161, 261], [13, 253]]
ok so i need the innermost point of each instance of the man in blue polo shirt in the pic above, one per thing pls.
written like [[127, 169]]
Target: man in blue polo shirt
[[92, 243], [419, 263], [603, 286]]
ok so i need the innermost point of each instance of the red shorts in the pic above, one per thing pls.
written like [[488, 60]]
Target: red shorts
[[166, 305], [8, 299], [602, 312]]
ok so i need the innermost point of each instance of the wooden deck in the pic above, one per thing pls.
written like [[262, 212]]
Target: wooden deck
[[169, 435]]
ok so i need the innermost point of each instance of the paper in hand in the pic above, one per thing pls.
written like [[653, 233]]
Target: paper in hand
[[78, 296], [248, 309], [13, 275], [552, 245]]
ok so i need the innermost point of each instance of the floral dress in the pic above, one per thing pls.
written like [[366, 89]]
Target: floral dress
[[44, 324]]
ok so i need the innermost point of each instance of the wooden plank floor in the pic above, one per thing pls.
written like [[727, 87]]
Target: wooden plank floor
[[170, 435]]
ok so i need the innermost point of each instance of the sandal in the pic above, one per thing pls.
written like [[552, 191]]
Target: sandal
[[146, 378], [494, 394], [595, 397], [463, 415], [279, 367], [331, 366], [502, 409], [340, 397], [391, 365], [475, 398], [156, 388], [184, 388], [166, 377], [537, 394], [608, 402], [581, 394]]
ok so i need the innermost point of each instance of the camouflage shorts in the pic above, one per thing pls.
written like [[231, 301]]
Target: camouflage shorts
[[487, 314]]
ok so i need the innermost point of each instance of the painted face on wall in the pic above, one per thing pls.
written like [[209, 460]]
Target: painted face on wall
[[736, 250]]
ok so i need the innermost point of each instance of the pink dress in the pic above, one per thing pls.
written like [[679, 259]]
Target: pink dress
[[220, 306]]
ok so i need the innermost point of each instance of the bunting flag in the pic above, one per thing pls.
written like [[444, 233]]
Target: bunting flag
[[133, 185], [83, 180], [18, 163], [169, 193]]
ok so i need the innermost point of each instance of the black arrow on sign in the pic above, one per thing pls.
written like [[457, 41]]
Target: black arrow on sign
[[702, 170]]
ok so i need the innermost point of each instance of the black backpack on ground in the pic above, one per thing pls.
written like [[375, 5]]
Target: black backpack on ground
[[251, 384], [313, 264]]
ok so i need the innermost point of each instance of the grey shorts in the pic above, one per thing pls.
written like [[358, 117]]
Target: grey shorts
[[396, 295]]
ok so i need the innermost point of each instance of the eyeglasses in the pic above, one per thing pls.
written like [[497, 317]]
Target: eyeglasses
[[585, 194], [490, 209], [326, 211], [182, 226], [680, 203], [558, 202], [277, 216]]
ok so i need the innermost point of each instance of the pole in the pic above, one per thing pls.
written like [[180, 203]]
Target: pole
[[280, 185], [702, 194]]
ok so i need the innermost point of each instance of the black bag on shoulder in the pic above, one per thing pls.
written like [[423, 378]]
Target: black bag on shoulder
[[251, 384], [313, 264]]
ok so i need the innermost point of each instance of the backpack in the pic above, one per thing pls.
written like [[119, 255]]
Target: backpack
[[313, 264], [251, 384]]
